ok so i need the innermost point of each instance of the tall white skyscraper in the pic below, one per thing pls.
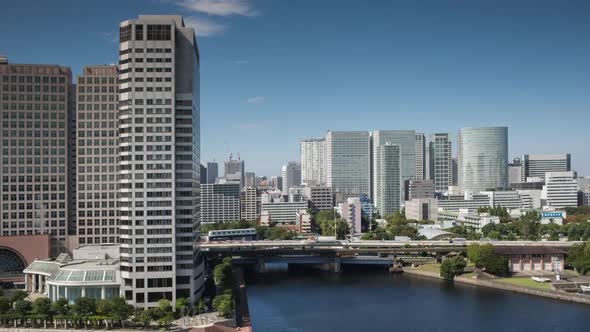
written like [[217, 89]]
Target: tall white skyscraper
[[348, 162], [483, 158], [313, 161], [387, 179], [406, 140], [420, 156], [291, 174], [159, 159], [441, 161]]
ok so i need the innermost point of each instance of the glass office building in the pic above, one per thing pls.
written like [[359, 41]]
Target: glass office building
[[348, 162], [483, 158]]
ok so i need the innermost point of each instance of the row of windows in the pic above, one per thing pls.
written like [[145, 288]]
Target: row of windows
[[31, 107], [33, 79], [34, 88], [147, 50], [147, 70], [96, 80]]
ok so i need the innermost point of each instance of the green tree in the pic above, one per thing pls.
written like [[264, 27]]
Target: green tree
[[182, 305], [484, 256], [4, 304], [18, 295], [41, 309], [223, 274], [120, 309], [452, 267], [579, 257], [224, 304], [84, 308], [61, 307]]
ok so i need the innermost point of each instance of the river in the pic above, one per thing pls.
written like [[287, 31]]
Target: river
[[374, 300]]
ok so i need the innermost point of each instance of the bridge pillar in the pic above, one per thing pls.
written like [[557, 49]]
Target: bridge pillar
[[260, 265], [336, 265]]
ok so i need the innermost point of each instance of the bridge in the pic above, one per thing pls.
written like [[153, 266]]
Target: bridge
[[332, 254]]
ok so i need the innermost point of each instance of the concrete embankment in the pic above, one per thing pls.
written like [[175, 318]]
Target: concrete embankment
[[556, 295]]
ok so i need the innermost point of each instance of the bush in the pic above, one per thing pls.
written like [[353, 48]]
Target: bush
[[224, 304], [452, 267]]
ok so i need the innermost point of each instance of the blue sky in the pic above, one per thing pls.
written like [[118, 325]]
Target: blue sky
[[275, 71]]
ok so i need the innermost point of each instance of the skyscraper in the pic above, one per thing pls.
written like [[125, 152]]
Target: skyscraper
[[250, 204], [441, 161], [387, 179], [291, 174], [313, 161], [483, 158], [36, 141], [420, 156], [159, 158], [536, 165], [203, 174], [406, 140], [250, 179], [212, 172], [98, 150], [348, 162], [234, 167]]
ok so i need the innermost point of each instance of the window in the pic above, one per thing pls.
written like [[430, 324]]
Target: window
[[158, 32], [125, 33], [139, 32]]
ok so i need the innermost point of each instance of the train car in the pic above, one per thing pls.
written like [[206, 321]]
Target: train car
[[244, 234]]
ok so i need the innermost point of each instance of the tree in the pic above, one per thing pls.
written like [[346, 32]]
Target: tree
[[224, 304], [201, 306], [120, 309], [4, 304], [22, 309], [223, 274], [61, 307], [182, 304], [104, 308], [579, 257], [452, 267], [84, 308], [484, 256], [18, 295], [41, 309]]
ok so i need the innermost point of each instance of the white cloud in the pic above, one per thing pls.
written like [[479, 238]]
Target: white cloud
[[241, 62], [220, 7], [255, 100], [204, 27]]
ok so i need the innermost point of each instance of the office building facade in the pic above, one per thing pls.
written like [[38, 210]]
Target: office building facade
[[348, 162], [97, 147], [159, 158], [483, 158], [212, 172], [234, 168], [387, 179], [536, 165], [36, 141], [420, 156], [441, 161], [220, 202], [406, 140], [313, 161], [291, 174], [561, 189]]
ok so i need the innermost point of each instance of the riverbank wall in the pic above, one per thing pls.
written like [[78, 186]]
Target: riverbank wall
[[556, 295]]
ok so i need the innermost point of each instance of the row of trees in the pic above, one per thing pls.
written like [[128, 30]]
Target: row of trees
[[88, 312], [84, 312], [482, 256], [397, 225], [224, 280]]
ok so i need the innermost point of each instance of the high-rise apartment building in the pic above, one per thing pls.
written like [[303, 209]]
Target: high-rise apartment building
[[348, 162], [236, 168], [441, 161], [291, 174], [159, 158], [561, 189], [406, 140], [483, 158], [36, 160], [313, 161], [420, 157], [536, 165], [212, 172], [387, 179], [250, 204], [97, 149], [220, 202]]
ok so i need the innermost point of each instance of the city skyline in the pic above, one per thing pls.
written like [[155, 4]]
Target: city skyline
[[539, 45]]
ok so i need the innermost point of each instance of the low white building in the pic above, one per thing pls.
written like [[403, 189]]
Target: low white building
[[93, 272], [561, 189], [281, 212], [467, 219]]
